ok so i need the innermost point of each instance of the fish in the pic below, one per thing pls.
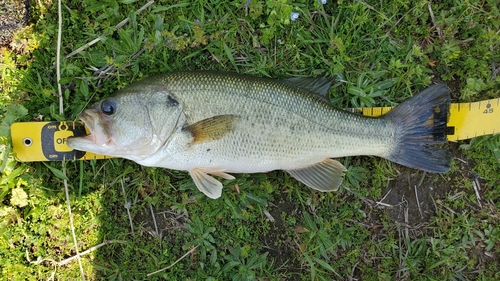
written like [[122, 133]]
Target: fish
[[213, 124]]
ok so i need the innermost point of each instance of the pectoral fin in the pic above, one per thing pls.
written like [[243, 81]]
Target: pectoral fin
[[323, 176], [206, 183], [212, 128]]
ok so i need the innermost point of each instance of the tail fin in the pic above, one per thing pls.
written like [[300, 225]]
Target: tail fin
[[421, 121]]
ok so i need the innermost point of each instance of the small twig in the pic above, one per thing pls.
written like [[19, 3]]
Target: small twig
[[83, 47], [406, 236], [154, 219], [400, 253], [269, 216], [383, 198], [416, 193], [269, 248], [366, 200], [456, 196], [440, 34], [118, 26], [102, 167], [170, 266], [72, 226], [351, 278], [123, 22], [383, 204], [138, 53], [470, 39], [411, 227], [58, 58], [107, 242], [127, 206], [407, 222], [110, 70], [448, 209], [418, 203], [61, 112], [475, 184], [369, 7]]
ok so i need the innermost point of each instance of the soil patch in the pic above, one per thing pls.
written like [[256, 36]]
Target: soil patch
[[281, 248], [417, 191], [14, 17]]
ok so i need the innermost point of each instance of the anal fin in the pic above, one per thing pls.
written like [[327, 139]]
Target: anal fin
[[206, 183], [323, 176]]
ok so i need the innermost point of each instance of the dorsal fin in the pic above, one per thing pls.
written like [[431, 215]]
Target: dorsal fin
[[318, 85]]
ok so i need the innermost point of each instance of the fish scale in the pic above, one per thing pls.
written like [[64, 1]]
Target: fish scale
[[282, 113], [215, 123]]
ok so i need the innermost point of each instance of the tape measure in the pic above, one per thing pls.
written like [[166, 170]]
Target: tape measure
[[465, 120], [46, 141]]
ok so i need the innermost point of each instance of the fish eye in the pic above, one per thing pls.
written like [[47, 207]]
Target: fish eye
[[108, 107]]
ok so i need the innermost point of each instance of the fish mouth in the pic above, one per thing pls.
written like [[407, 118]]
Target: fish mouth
[[97, 133], [89, 125], [98, 139]]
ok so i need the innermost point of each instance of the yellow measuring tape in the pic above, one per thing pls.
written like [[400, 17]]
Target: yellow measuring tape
[[46, 141]]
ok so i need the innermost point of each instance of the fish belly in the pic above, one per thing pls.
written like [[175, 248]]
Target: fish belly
[[277, 143]]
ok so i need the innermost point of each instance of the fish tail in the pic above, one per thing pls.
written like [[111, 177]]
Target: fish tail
[[421, 122]]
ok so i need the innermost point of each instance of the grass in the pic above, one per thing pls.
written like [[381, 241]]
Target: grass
[[265, 226]]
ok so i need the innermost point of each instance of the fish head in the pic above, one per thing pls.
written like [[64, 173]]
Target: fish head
[[130, 124]]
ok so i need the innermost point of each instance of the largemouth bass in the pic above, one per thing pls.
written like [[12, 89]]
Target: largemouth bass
[[215, 123]]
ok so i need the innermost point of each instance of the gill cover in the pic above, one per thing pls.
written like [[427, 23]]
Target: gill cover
[[128, 124]]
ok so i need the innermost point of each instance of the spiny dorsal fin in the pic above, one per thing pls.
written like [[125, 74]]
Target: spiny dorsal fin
[[318, 85], [212, 128], [323, 176]]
